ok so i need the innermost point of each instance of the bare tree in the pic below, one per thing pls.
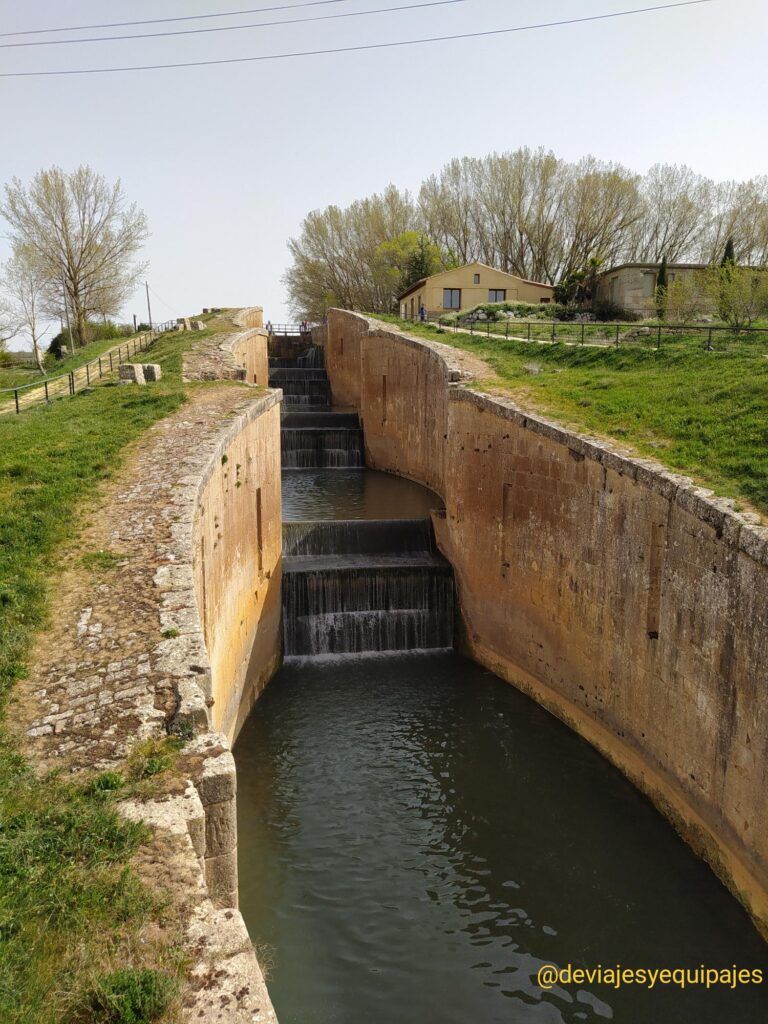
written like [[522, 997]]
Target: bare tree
[[8, 326], [341, 255], [676, 204], [25, 285], [80, 228], [450, 211]]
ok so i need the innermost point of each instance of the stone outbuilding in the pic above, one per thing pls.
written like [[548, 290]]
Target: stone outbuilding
[[633, 285]]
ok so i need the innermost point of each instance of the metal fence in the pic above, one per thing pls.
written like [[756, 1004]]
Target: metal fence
[[68, 384], [289, 330], [594, 333]]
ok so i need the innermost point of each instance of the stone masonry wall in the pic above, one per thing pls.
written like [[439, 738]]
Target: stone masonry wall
[[237, 548], [249, 347], [629, 602], [240, 355]]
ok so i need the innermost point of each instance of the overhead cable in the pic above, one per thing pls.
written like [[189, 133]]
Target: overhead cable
[[354, 49], [229, 28], [165, 21]]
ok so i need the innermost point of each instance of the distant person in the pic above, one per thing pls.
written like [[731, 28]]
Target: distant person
[[422, 313], [269, 326]]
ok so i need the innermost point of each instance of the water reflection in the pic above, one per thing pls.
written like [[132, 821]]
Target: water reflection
[[353, 494], [417, 838]]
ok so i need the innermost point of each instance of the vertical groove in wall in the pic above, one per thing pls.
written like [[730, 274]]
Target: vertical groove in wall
[[259, 532], [204, 595], [655, 569], [507, 527]]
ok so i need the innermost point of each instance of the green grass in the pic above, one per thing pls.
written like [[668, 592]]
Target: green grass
[[70, 903], [15, 377], [701, 413]]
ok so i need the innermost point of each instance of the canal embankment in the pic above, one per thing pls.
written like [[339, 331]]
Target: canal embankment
[[142, 671], [626, 600]]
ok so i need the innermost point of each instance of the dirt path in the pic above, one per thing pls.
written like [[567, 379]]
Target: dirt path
[[97, 371]]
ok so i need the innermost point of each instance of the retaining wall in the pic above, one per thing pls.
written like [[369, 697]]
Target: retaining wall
[[629, 602], [249, 347], [237, 544]]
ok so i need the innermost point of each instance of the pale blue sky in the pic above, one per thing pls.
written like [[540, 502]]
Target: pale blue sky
[[226, 161]]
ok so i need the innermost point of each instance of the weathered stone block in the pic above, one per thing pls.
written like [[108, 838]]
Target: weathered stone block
[[131, 373], [220, 828], [152, 371], [221, 879]]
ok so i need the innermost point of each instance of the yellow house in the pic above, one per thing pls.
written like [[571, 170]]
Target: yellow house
[[469, 286]]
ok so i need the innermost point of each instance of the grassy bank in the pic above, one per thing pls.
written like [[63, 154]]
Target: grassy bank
[[700, 413], [70, 905], [16, 377]]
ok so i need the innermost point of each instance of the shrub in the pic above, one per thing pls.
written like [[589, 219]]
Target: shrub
[[606, 310], [130, 997]]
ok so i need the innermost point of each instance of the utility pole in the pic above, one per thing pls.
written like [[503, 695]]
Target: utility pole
[[134, 323], [66, 313], [149, 308]]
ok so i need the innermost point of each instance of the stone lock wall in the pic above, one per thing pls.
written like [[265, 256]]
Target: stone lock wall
[[629, 602], [240, 355], [238, 546], [249, 347]]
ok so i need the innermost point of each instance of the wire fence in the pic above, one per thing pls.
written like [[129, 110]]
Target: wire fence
[[711, 337], [68, 384]]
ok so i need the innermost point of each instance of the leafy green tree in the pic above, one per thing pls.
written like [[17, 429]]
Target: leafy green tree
[[740, 293], [662, 286], [580, 286], [727, 269], [687, 298], [425, 260]]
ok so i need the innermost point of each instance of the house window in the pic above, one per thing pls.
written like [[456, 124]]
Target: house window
[[477, 279], [497, 294], [649, 285], [545, 301], [451, 298]]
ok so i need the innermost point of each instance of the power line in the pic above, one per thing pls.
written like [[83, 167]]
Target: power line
[[173, 309], [355, 49], [230, 28], [163, 21]]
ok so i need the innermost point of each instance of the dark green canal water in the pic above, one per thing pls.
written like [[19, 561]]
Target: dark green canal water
[[417, 838]]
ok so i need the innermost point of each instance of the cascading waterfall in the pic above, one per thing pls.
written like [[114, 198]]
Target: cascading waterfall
[[351, 586], [321, 447], [359, 537]]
